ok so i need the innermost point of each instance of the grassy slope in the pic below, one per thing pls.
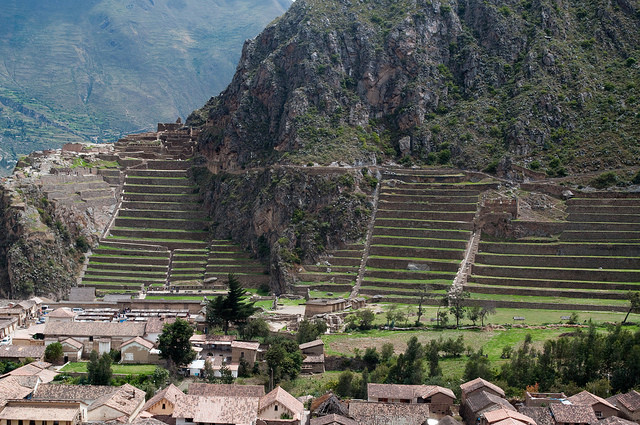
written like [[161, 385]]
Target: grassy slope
[[101, 69]]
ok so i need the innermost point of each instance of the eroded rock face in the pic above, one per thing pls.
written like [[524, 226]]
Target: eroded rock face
[[47, 221], [288, 214], [339, 80]]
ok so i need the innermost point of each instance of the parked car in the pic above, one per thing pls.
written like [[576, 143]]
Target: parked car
[[77, 310], [7, 340]]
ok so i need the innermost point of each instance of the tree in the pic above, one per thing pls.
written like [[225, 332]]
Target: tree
[[456, 300], [255, 328], [473, 314], [53, 353], [232, 308], [361, 319], [174, 343], [634, 304], [486, 311], [478, 366], [99, 369], [310, 330], [284, 359], [371, 358], [424, 294]]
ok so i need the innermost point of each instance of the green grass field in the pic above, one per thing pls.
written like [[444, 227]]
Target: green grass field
[[119, 369]]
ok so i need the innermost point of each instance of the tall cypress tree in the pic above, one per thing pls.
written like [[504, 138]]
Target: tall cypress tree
[[232, 308]]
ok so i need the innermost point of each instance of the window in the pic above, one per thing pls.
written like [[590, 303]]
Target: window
[[275, 407], [188, 419], [32, 422], [91, 338], [164, 406], [56, 423], [599, 414], [242, 354], [20, 422]]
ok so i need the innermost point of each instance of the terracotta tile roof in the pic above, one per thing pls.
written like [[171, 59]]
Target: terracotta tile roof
[[72, 342], [542, 415], [127, 399], [283, 397], [448, 420], [397, 391], [573, 413], [16, 351], [145, 343], [614, 420], [483, 400], [95, 329], [314, 359], [585, 397], [311, 344], [211, 339], [32, 369], [36, 410], [499, 415], [15, 387], [478, 383], [435, 389], [333, 419], [85, 393], [155, 324], [245, 345], [229, 390], [370, 413], [169, 393], [630, 400], [236, 410], [62, 313]]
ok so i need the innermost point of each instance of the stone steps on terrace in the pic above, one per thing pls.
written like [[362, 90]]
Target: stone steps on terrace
[[557, 273], [562, 261], [561, 248], [161, 223], [551, 283]]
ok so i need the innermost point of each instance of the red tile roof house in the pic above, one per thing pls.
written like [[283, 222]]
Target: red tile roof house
[[162, 404], [332, 419], [278, 405], [138, 350], [32, 411], [372, 413], [477, 385], [481, 402], [629, 404], [505, 417], [601, 407], [439, 399], [572, 414]]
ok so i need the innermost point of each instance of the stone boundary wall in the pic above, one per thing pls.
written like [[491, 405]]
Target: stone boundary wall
[[428, 206], [614, 217], [420, 242], [423, 224], [426, 215], [403, 264], [547, 293], [567, 248], [453, 235], [426, 253], [557, 274], [196, 236]]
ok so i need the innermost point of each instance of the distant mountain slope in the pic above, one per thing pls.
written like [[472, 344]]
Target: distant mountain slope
[[555, 85], [94, 69]]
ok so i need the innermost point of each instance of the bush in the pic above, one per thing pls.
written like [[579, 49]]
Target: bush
[[636, 178], [604, 180]]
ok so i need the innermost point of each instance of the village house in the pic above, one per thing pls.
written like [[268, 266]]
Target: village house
[[614, 420], [376, 413], [195, 409], [481, 402], [439, 398], [104, 403], [208, 345], [628, 404], [36, 369], [572, 414], [20, 353], [247, 350], [154, 327], [314, 356], [542, 399], [601, 407], [328, 404], [8, 326], [479, 385], [541, 415], [162, 404], [279, 404], [17, 387], [197, 367], [138, 350], [42, 412], [323, 306], [62, 314], [332, 419], [71, 350], [505, 417], [98, 336]]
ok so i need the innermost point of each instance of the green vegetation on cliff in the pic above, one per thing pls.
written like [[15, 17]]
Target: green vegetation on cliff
[[555, 87]]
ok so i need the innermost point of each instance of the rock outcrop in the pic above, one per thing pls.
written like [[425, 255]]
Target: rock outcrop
[[469, 81]]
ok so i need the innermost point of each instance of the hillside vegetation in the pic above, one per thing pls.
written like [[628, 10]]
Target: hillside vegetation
[[91, 71], [553, 85]]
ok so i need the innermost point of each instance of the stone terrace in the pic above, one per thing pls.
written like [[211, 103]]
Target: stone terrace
[[591, 263]]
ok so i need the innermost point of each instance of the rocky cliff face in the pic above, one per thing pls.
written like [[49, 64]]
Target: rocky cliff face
[[47, 222], [553, 85], [287, 214]]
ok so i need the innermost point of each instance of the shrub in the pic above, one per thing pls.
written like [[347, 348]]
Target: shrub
[[604, 180]]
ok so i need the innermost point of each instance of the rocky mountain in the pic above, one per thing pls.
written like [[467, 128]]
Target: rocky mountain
[[553, 86], [93, 70]]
